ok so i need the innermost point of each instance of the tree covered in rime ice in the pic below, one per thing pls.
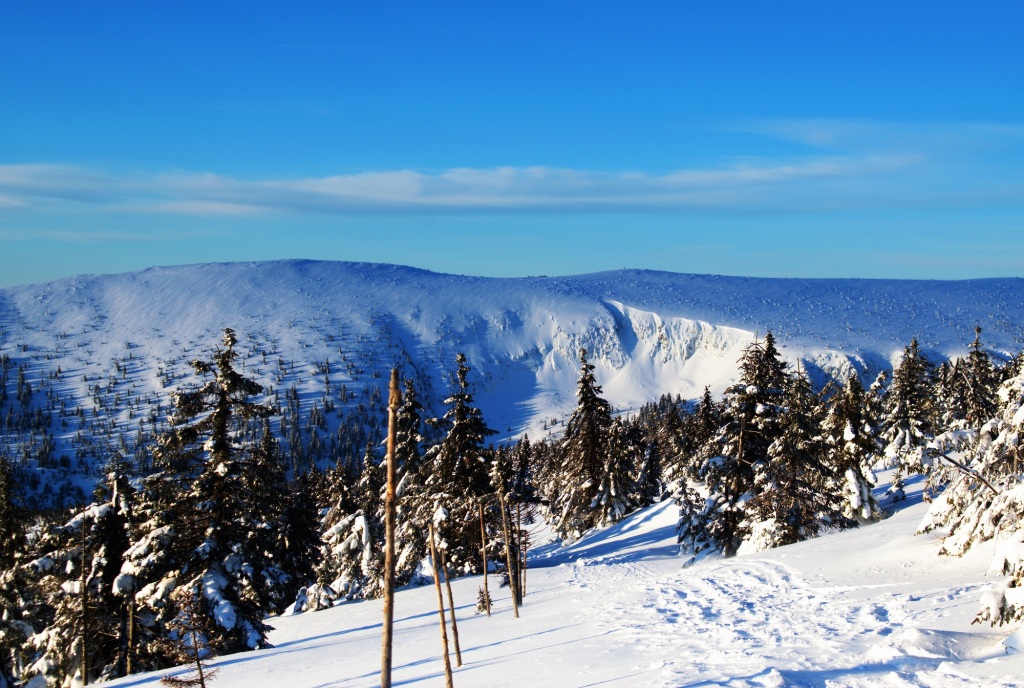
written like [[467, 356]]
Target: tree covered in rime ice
[[581, 457], [851, 441], [209, 515], [986, 500]]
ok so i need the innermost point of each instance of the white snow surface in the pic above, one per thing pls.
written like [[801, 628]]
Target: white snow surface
[[873, 606]]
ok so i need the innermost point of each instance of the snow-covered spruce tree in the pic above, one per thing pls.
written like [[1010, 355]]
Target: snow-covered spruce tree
[[648, 471], [298, 541], [716, 517], [965, 398], [356, 542], [986, 501], [457, 476], [410, 534], [907, 422], [796, 491], [669, 438], [339, 503], [618, 493], [78, 564], [271, 534], [200, 531], [949, 402], [979, 383], [851, 438], [15, 588], [581, 457]]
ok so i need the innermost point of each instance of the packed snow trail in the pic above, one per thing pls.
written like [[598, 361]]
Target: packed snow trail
[[869, 607]]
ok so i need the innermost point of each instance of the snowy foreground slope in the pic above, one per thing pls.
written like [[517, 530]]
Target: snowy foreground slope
[[873, 606]]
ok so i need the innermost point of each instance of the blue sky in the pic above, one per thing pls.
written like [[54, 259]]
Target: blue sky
[[870, 139]]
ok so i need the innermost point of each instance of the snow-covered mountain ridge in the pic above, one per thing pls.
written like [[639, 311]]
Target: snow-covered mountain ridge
[[122, 342]]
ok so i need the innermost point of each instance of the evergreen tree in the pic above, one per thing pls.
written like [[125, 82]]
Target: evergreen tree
[[795, 495], [192, 639], [340, 503], [907, 425], [649, 471], [267, 529], [356, 541], [730, 460], [985, 502], [199, 532], [298, 545], [699, 428], [670, 441], [852, 443], [457, 475], [410, 534], [582, 456], [15, 628], [979, 382], [76, 570], [618, 492]]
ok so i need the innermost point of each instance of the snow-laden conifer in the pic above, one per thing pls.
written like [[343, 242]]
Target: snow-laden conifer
[[715, 514], [201, 530], [852, 445], [907, 425], [581, 457], [76, 568], [986, 501], [457, 475]]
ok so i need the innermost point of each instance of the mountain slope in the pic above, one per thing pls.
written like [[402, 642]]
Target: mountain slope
[[314, 329]]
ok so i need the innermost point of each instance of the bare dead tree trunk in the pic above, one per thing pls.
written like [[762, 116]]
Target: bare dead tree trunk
[[394, 401], [451, 609], [483, 552], [440, 610], [508, 557]]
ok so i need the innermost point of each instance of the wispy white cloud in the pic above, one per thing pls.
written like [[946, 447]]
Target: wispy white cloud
[[852, 164]]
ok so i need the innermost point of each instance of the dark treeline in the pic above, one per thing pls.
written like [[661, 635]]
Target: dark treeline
[[226, 528]]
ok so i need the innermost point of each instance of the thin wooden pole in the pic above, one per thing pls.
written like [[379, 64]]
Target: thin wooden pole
[[508, 557], [522, 552], [83, 582], [129, 664], [440, 610], [387, 639], [451, 609], [483, 552]]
